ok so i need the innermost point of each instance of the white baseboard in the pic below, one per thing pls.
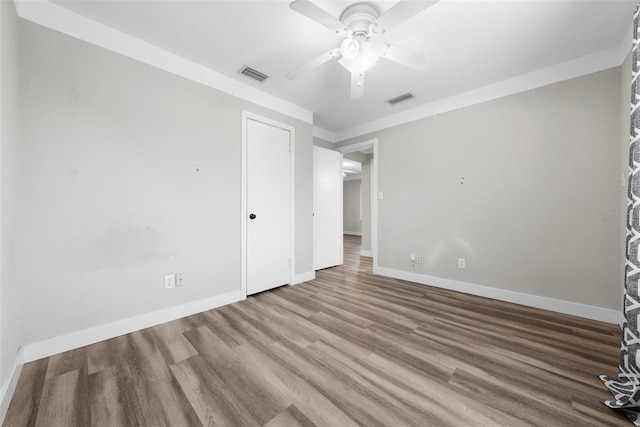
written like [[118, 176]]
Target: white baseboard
[[38, 350], [559, 306], [621, 319], [353, 233], [366, 253], [304, 277], [9, 387]]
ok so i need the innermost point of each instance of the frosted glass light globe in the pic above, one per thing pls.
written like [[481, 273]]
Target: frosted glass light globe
[[349, 48]]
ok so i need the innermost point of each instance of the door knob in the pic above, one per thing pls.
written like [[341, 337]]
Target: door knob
[[252, 216]]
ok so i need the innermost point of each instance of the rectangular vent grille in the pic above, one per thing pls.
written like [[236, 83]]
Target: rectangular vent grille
[[400, 98], [253, 74]]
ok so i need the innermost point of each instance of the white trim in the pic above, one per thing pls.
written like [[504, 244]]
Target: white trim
[[243, 207], [567, 70], [319, 132], [341, 212], [75, 25], [304, 277], [9, 387], [559, 306], [246, 116], [374, 205], [353, 233], [38, 350], [292, 157], [366, 253], [621, 319]]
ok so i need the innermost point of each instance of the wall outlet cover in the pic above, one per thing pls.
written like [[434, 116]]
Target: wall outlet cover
[[170, 281]]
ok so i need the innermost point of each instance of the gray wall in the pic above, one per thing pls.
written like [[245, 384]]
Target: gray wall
[[351, 206], [519, 186], [357, 156], [10, 289], [129, 173], [319, 142]]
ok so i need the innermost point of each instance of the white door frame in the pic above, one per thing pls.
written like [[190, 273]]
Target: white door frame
[[246, 116], [372, 143]]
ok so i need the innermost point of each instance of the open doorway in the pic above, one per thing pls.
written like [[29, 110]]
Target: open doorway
[[352, 193], [361, 195], [352, 206]]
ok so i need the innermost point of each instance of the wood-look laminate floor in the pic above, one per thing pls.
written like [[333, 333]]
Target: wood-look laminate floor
[[346, 349]]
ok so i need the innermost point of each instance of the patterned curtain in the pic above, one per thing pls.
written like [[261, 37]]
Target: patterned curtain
[[626, 388]]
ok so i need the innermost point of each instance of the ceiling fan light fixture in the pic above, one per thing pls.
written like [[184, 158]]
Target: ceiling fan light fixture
[[371, 52], [359, 23], [349, 48], [366, 57]]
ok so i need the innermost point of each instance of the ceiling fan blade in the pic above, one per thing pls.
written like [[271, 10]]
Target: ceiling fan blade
[[405, 57], [314, 63], [402, 11], [314, 12], [357, 84]]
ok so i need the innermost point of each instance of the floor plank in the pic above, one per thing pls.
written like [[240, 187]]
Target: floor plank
[[213, 401], [64, 400], [291, 417], [346, 349], [104, 399], [24, 407]]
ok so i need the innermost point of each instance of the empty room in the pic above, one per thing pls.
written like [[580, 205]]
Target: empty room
[[319, 213]]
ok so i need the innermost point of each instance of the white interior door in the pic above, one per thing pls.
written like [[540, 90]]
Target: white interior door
[[327, 208], [268, 206]]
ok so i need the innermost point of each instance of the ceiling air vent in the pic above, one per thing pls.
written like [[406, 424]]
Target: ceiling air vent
[[254, 74], [394, 101]]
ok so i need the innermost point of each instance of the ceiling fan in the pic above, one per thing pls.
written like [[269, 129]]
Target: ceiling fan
[[360, 24]]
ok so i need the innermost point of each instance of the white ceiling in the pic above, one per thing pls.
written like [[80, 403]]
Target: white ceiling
[[469, 44]]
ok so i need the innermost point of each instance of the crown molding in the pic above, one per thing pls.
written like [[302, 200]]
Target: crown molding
[[58, 18], [75, 25], [588, 64]]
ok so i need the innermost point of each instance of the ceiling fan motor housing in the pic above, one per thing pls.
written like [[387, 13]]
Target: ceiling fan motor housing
[[359, 17]]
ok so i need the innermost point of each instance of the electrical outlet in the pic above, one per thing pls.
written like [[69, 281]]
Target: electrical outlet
[[461, 263], [179, 282], [412, 257], [418, 259], [170, 281]]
